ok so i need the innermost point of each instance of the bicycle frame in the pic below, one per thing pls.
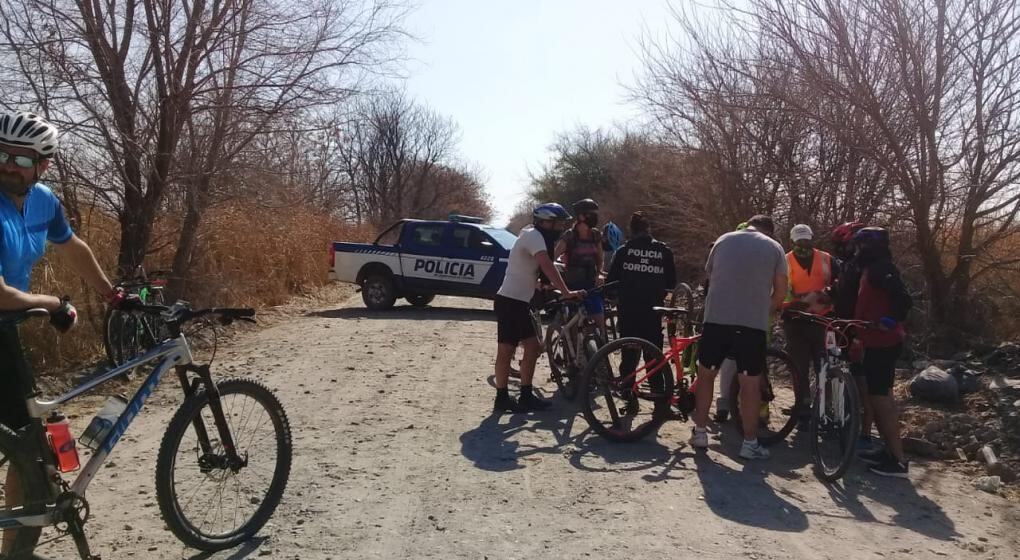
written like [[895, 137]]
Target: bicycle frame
[[574, 327], [172, 353], [677, 346]]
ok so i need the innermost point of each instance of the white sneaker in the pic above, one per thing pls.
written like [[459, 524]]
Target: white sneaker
[[753, 450], [699, 438]]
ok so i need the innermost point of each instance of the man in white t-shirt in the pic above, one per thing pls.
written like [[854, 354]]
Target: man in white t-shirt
[[529, 255]]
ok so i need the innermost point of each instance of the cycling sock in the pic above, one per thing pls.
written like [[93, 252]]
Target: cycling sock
[[751, 442], [526, 390], [503, 393]]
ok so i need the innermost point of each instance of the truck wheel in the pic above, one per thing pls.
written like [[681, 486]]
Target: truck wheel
[[378, 292], [420, 300]]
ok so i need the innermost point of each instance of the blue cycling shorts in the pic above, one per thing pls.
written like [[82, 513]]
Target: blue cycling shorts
[[594, 304]]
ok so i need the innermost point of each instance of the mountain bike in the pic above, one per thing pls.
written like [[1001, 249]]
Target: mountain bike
[[835, 420], [570, 340], [127, 335], [222, 466], [617, 383]]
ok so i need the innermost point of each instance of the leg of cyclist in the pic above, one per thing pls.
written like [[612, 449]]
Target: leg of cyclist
[[805, 343], [880, 369], [750, 350], [528, 399], [727, 373], [13, 412]]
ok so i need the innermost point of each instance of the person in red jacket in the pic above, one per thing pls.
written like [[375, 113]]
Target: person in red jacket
[[882, 299]]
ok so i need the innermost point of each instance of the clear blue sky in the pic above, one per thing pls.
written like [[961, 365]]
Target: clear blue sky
[[513, 74]]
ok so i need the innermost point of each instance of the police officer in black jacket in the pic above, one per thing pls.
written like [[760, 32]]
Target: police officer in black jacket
[[645, 270]]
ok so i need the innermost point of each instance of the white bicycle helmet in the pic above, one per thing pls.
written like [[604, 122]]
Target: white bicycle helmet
[[30, 131]]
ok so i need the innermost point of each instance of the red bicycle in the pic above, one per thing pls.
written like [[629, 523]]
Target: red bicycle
[[617, 384]]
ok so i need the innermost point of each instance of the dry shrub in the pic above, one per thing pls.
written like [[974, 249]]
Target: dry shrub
[[247, 256], [257, 256]]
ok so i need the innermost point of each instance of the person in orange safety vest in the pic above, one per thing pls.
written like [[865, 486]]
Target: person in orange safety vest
[[811, 274]]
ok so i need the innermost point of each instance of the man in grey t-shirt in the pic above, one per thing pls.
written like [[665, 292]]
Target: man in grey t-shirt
[[747, 279]]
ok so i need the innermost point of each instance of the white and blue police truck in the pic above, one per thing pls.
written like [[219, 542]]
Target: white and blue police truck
[[419, 259]]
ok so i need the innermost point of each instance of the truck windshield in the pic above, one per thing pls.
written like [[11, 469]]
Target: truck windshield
[[502, 236]]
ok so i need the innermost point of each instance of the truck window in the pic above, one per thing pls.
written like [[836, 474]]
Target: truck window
[[426, 235], [472, 239]]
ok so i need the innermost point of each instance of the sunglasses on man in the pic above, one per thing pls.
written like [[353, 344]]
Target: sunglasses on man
[[24, 162]]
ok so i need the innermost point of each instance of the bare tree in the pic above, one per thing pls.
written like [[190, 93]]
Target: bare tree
[[126, 80], [393, 150], [900, 112]]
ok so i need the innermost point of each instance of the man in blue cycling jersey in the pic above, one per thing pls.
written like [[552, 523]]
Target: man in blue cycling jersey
[[31, 216]]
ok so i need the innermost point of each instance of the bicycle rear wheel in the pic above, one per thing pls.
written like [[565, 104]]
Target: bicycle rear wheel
[[612, 405], [21, 484], [835, 425], [780, 394], [205, 502]]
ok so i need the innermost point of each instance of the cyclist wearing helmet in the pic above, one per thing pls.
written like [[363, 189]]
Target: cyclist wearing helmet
[[844, 292], [31, 216], [883, 299], [529, 255], [612, 240], [581, 251]]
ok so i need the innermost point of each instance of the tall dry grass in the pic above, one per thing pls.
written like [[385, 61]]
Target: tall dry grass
[[247, 255]]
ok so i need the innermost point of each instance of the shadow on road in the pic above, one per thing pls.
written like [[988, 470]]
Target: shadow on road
[[914, 512], [745, 496], [408, 312], [490, 445], [246, 550]]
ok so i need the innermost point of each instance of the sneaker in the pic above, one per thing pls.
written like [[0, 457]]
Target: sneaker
[[752, 451], [721, 416], [891, 467], [699, 438], [874, 456], [504, 404], [529, 402]]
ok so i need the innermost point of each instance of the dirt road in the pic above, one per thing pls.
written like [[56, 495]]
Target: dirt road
[[397, 456]]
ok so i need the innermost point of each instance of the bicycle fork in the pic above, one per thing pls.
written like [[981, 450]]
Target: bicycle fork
[[210, 459]]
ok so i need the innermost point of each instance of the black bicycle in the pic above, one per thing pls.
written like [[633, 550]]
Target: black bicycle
[[127, 335]]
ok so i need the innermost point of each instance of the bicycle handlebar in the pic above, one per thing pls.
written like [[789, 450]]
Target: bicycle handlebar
[[179, 313], [562, 300], [828, 322]]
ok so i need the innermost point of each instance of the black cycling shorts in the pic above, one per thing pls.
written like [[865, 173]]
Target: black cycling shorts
[[879, 367], [13, 412], [513, 321], [746, 346]]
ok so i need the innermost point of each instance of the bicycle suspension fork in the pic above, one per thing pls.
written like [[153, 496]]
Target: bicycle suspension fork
[[191, 388]]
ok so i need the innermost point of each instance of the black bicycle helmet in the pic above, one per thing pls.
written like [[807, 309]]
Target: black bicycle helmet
[[585, 205]]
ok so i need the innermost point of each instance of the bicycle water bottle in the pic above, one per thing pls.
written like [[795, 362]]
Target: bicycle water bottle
[[58, 431], [103, 422]]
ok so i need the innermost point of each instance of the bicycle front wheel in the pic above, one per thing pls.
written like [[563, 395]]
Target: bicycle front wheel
[[835, 425], [614, 406], [561, 363], [207, 502], [23, 485]]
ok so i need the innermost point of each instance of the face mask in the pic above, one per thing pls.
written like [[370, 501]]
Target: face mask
[[803, 252]]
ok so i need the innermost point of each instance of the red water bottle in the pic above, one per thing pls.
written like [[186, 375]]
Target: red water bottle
[[59, 431]]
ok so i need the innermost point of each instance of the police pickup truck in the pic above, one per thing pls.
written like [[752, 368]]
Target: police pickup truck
[[418, 259]]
